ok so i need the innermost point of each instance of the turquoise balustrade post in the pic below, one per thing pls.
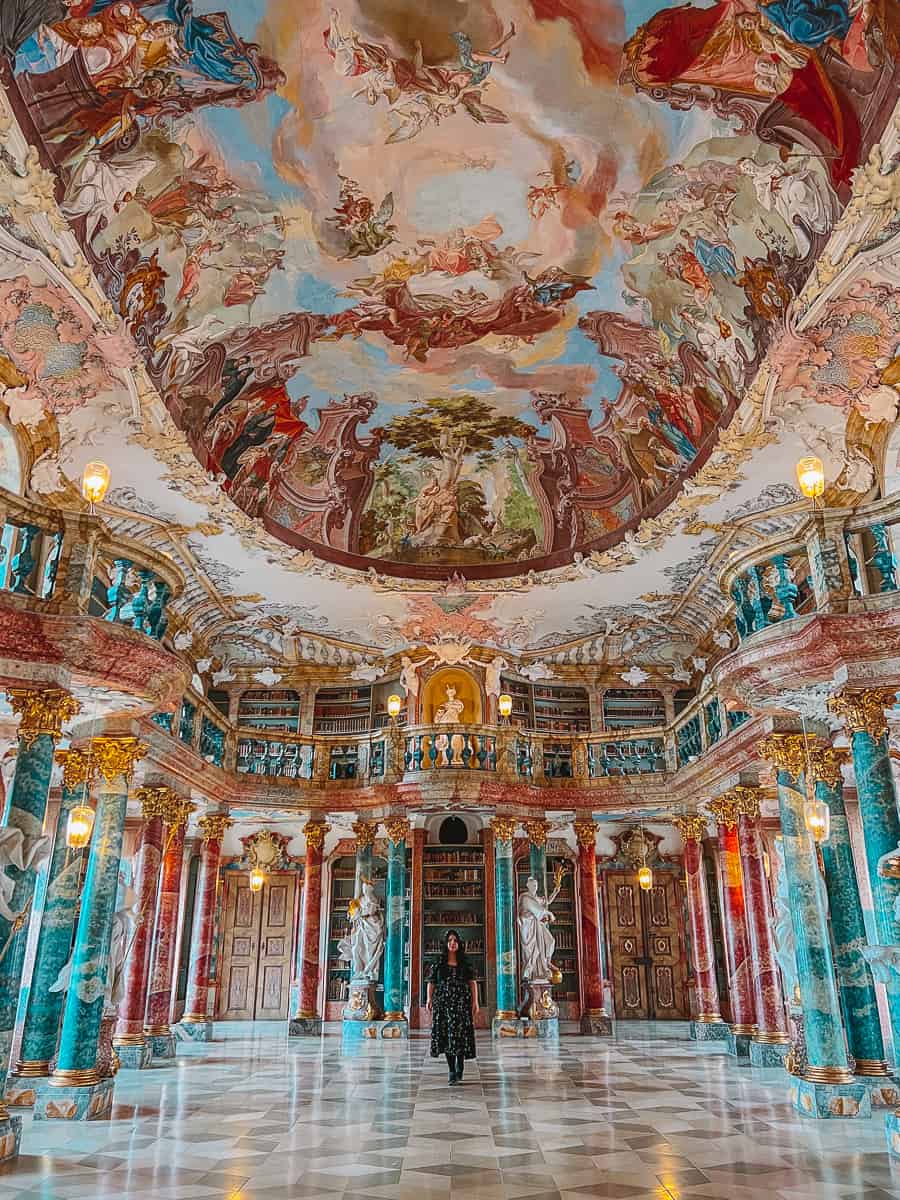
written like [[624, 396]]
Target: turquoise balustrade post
[[395, 905], [884, 560], [786, 590], [505, 924], [78, 1088], [42, 715], [24, 562], [825, 1087], [117, 594]]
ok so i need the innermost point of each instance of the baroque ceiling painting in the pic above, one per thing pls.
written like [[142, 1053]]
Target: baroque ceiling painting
[[455, 295]]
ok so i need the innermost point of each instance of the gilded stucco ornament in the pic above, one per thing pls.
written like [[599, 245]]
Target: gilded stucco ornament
[[364, 832], [115, 758], [863, 712], [748, 800], [42, 712], [504, 828], [825, 764], [692, 827], [585, 832], [397, 829], [536, 830], [314, 832], [786, 751], [77, 768], [213, 825], [152, 801]]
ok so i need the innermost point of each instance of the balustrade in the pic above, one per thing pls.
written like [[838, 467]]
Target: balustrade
[[30, 551], [275, 757], [626, 756], [871, 553], [471, 748], [776, 589]]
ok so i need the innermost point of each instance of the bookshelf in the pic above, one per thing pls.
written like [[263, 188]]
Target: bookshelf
[[567, 993], [342, 710], [260, 708], [548, 707], [632, 708], [380, 693], [453, 887]]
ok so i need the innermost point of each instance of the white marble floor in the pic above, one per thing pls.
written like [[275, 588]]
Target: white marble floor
[[644, 1115]]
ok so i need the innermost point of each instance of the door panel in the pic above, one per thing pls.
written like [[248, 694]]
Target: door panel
[[240, 949], [257, 945], [626, 942], [646, 947], [274, 977], [664, 944]]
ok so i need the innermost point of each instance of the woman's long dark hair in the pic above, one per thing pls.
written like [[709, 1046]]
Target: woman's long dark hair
[[462, 963]]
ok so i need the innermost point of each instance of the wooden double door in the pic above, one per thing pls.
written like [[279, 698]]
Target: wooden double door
[[257, 947], [647, 946]]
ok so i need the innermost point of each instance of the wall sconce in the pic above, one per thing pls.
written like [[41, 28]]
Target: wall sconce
[[394, 704], [645, 878], [504, 705], [79, 826], [257, 879], [95, 482], [811, 477]]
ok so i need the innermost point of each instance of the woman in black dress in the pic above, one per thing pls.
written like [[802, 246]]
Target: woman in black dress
[[453, 1002]]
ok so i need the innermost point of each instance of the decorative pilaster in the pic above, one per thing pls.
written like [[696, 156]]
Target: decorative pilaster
[[41, 714], [364, 832], [130, 1041], [306, 1021], [848, 930], [734, 926], [196, 1024], [595, 1020], [504, 829], [397, 829], [78, 1089], [537, 830], [42, 1011], [772, 1039], [708, 1025], [863, 714], [157, 1030], [826, 1087]]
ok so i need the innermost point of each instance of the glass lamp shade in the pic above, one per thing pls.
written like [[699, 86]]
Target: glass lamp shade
[[817, 818], [394, 704], [645, 878], [95, 482], [257, 879], [504, 704], [79, 826], [811, 477]]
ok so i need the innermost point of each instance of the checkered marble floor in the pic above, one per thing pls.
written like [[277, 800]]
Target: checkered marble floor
[[647, 1114]]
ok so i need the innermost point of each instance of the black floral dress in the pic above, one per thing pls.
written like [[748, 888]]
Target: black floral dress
[[452, 1031]]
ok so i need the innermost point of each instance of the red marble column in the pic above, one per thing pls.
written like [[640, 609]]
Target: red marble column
[[771, 1016], [693, 830], [129, 1040], [306, 1020], [734, 923], [197, 1022], [162, 957], [594, 1017]]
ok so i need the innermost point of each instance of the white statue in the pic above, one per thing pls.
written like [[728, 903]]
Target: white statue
[[785, 939], [120, 942], [450, 711], [365, 945], [492, 675], [536, 941], [24, 852], [409, 676]]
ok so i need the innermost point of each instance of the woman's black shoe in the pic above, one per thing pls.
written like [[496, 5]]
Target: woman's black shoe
[[454, 1079]]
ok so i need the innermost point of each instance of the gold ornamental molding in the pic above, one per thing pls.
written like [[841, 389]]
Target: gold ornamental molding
[[504, 828], [825, 765], [152, 801], [786, 751], [692, 827], [748, 801], [863, 712], [314, 832], [537, 829], [397, 829], [364, 832], [77, 768], [585, 832], [176, 810], [213, 826], [116, 757], [42, 711], [724, 810]]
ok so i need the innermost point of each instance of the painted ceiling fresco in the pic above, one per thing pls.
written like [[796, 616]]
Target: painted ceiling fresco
[[450, 288]]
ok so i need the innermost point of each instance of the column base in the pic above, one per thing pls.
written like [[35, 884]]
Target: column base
[[596, 1024], [362, 1031], [162, 1044], [305, 1027], [74, 1102], [21, 1090], [768, 1054], [10, 1136], [884, 1090], [892, 1133], [827, 1101], [194, 1031], [709, 1031], [134, 1056], [524, 1027], [738, 1044]]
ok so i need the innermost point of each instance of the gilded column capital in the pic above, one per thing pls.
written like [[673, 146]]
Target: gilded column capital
[[213, 826], [116, 756], [724, 810], [825, 765], [41, 711], [77, 768], [585, 832], [863, 712], [786, 751], [504, 828], [691, 826], [152, 801], [364, 832], [397, 829], [537, 829], [314, 832], [748, 800]]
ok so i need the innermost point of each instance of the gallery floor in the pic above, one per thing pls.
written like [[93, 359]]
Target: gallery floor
[[645, 1115]]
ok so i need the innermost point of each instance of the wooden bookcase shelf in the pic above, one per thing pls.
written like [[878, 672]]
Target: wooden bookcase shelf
[[269, 710], [632, 708], [548, 707], [567, 993], [453, 887]]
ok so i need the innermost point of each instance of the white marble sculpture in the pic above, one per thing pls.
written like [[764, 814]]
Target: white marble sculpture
[[451, 710], [24, 852], [365, 945], [536, 942], [492, 671], [409, 676]]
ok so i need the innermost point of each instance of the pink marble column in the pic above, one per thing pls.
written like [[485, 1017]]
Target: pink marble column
[[594, 1019], [197, 1021], [734, 924], [162, 957], [707, 1025], [306, 1022], [772, 1038], [130, 1042]]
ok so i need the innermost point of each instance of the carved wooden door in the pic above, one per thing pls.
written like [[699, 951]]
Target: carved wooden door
[[257, 947], [646, 945]]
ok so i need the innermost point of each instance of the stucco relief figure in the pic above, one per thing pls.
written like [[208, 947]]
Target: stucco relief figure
[[409, 676], [536, 942], [492, 671], [785, 941], [450, 712], [22, 852], [365, 945]]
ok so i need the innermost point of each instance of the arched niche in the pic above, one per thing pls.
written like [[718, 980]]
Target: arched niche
[[468, 691]]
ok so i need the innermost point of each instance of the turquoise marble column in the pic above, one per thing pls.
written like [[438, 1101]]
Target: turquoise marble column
[[364, 832], [848, 930], [76, 1090], [42, 1011], [23, 849], [863, 713], [537, 831], [395, 902], [505, 922], [825, 1087]]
